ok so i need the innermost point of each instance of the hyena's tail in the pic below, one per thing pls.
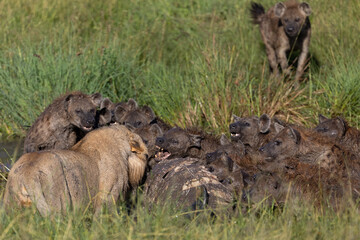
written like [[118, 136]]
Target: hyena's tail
[[256, 11]]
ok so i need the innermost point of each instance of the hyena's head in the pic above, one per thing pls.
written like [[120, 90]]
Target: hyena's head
[[81, 110], [249, 129], [292, 16], [176, 142], [285, 144], [222, 162], [334, 128], [267, 189], [130, 113]]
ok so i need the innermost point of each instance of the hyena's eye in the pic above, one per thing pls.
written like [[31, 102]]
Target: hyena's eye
[[78, 111], [174, 141], [277, 143], [297, 19], [286, 20]]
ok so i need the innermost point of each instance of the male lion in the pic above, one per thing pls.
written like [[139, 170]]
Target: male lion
[[99, 168]]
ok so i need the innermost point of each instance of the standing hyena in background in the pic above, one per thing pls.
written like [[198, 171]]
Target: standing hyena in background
[[284, 28]]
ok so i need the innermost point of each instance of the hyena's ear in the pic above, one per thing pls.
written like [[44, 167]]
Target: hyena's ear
[[322, 118], [342, 124], [305, 7], [96, 98], [67, 101], [156, 130], [235, 118], [264, 123], [294, 134], [105, 103], [132, 104], [104, 116], [279, 9], [278, 127], [119, 113], [224, 140], [148, 112]]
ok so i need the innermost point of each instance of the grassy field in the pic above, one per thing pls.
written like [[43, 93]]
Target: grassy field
[[195, 63]]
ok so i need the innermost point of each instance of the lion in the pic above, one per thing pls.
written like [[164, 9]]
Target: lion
[[100, 168]]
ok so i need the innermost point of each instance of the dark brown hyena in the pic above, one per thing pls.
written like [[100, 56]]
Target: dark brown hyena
[[252, 131], [223, 164], [130, 113], [284, 28], [105, 114], [302, 144], [178, 142], [337, 129], [305, 181], [63, 123]]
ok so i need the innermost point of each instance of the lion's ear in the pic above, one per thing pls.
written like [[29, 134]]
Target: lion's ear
[[135, 146]]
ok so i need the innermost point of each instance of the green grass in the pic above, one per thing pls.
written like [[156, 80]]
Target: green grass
[[195, 63], [295, 221]]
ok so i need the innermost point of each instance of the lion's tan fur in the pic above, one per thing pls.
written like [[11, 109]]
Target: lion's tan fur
[[100, 168]]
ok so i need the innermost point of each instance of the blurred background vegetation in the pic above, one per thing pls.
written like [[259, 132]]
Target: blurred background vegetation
[[194, 62]]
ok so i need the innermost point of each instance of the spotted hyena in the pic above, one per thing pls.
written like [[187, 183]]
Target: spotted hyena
[[63, 123], [284, 28]]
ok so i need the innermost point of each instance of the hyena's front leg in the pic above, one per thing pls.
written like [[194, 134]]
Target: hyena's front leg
[[302, 58], [281, 53], [270, 51]]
